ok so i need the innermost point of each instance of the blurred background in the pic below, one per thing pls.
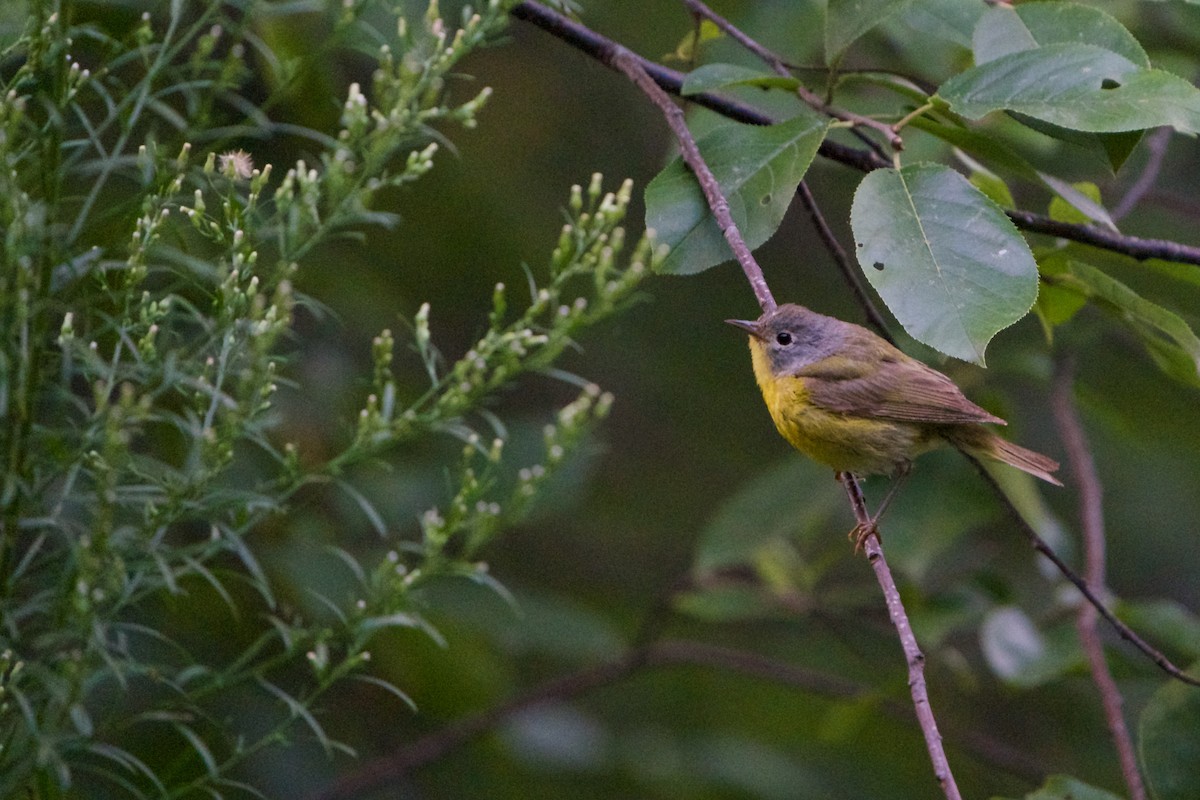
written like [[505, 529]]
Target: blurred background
[[689, 470]]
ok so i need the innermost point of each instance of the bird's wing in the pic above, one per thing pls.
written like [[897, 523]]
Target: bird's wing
[[888, 386]]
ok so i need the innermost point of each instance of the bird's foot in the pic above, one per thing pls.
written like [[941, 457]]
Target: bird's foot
[[861, 532]]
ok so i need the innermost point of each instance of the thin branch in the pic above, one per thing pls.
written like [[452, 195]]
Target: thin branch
[[780, 67], [600, 48], [1156, 144], [842, 259], [627, 63], [1039, 544], [1132, 246], [1091, 515], [908, 641]]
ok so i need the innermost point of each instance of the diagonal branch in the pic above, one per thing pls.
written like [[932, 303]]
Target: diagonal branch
[[1039, 544], [908, 641], [600, 47], [627, 63]]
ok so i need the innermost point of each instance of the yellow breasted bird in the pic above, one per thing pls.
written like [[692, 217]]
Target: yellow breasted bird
[[850, 400]]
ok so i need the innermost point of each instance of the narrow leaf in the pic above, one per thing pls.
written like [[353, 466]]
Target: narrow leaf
[[945, 258], [758, 169]]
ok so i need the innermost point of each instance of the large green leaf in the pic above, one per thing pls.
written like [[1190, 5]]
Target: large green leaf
[[1005, 29], [944, 257], [1169, 741], [1077, 86], [758, 169]]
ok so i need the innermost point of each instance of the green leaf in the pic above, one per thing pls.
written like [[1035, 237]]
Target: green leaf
[[1022, 655], [758, 170], [1007, 29], [847, 20], [945, 258], [712, 77], [1077, 86], [1169, 741], [1167, 337], [1064, 787], [1003, 30]]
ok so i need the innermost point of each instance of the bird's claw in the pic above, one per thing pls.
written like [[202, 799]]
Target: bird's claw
[[861, 532]]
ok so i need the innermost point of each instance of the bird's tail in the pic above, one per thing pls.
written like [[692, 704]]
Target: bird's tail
[[983, 442]]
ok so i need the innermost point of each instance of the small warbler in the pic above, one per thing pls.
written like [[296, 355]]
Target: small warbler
[[850, 400]]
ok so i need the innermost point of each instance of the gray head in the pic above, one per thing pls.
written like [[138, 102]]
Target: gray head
[[793, 336]]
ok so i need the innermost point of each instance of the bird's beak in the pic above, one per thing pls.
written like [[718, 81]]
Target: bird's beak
[[749, 326]]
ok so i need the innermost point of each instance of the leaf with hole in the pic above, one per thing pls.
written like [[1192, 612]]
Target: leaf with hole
[[1077, 86], [943, 256]]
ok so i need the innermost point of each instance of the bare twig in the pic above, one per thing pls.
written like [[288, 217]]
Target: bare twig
[[1091, 515], [627, 63], [912, 653], [842, 259], [1156, 144], [1084, 588], [1132, 246], [600, 47], [809, 97]]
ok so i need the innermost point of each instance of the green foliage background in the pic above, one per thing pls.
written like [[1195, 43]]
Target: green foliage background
[[687, 477]]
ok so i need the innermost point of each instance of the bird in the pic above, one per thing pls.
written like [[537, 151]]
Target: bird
[[851, 400]]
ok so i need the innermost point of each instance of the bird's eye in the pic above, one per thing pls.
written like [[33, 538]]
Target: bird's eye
[[784, 338]]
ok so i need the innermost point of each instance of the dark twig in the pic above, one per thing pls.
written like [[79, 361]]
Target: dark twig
[[600, 47], [1132, 246], [809, 97], [1156, 144], [627, 63], [908, 641], [842, 259], [1040, 545], [1091, 515]]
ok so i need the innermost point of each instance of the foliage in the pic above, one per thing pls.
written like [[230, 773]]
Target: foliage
[[261, 523], [148, 300]]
